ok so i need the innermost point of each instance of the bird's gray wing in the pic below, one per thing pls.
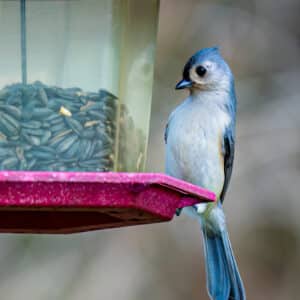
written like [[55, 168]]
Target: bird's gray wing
[[228, 154], [166, 132]]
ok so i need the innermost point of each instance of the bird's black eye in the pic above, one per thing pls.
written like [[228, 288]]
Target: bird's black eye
[[200, 70]]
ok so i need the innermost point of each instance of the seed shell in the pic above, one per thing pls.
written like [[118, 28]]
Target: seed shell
[[74, 124], [66, 143]]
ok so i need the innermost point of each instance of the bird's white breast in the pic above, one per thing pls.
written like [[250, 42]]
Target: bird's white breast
[[194, 142]]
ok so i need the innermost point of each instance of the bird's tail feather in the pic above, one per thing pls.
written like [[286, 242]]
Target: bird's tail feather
[[223, 278]]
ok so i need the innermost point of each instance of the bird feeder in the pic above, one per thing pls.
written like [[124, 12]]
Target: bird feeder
[[75, 97]]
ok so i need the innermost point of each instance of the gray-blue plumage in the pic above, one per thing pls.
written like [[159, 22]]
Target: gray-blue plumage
[[200, 138]]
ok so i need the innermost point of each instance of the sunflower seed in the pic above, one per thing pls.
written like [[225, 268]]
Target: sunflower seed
[[31, 124], [14, 100], [12, 110], [46, 136], [20, 153], [32, 140], [6, 127], [74, 124], [9, 163], [66, 143], [11, 120], [89, 133], [59, 137], [31, 163], [41, 113], [35, 132], [91, 123], [42, 154], [4, 152], [58, 127], [73, 150], [42, 96]]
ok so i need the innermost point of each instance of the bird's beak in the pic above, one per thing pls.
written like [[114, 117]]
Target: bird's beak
[[183, 84]]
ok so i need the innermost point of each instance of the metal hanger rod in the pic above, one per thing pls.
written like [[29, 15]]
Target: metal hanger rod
[[23, 41]]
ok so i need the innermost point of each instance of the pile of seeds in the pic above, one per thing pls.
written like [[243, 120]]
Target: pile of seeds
[[55, 129]]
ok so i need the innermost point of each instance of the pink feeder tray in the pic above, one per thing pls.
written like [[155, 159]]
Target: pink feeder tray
[[67, 202]]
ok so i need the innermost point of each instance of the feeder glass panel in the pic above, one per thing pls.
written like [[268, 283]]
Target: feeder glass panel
[[76, 84]]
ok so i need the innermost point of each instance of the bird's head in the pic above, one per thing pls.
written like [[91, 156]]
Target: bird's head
[[206, 70]]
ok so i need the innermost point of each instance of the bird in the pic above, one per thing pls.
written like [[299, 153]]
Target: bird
[[200, 142]]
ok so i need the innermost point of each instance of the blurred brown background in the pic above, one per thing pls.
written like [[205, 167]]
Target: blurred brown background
[[260, 40]]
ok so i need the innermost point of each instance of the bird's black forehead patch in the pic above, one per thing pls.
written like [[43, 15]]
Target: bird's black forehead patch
[[187, 68], [186, 74]]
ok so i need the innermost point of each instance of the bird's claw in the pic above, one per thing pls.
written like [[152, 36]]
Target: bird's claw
[[178, 211]]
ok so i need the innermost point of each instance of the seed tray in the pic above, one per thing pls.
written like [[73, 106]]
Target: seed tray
[[69, 202]]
